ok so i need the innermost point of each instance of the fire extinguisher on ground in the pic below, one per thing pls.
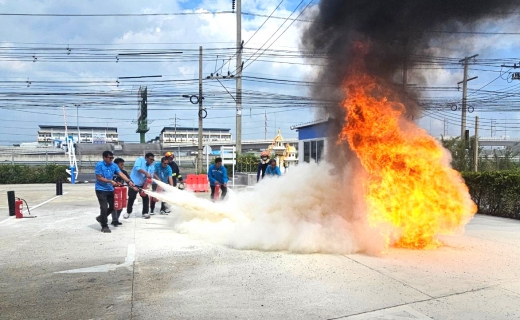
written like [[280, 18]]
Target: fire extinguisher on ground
[[18, 209]]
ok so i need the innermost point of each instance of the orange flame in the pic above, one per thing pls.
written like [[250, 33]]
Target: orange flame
[[410, 185]]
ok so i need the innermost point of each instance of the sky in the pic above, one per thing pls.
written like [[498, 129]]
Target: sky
[[51, 59], [55, 61], [492, 95]]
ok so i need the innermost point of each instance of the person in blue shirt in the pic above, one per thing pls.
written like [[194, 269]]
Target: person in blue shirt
[[273, 170], [217, 175], [104, 187], [163, 172], [143, 170]]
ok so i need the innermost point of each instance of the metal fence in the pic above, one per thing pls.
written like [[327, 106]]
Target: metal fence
[[86, 163]]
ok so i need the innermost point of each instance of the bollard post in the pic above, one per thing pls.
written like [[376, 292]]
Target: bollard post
[[11, 200], [59, 188], [72, 175]]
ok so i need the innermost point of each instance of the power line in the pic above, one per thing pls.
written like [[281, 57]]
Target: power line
[[140, 14], [216, 71], [113, 14], [270, 37]]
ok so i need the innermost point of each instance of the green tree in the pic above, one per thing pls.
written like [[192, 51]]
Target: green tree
[[460, 155]]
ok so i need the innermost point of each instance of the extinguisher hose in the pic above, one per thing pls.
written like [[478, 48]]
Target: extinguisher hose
[[26, 205]]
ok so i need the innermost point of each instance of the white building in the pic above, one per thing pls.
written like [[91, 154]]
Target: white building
[[191, 135], [48, 134]]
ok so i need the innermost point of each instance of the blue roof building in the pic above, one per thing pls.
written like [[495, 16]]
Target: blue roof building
[[312, 140]]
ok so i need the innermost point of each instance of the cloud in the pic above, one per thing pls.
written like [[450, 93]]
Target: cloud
[[185, 32]]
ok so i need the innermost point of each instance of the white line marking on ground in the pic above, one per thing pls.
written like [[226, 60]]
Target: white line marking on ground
[[11, 217], [62, 220], [41, 204], [129, 260], [36, 206], [392, 313]]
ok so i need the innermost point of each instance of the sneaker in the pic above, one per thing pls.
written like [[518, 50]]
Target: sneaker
[[116, 223], [98, 219], [105, 230], [164, 212], [146, 216], [126, 215], [151, 213], [167, 211]]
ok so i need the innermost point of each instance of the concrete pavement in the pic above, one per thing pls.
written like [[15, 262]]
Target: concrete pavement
[[60, 266]]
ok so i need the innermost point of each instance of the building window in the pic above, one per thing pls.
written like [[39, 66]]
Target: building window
[[320, 144], [313, 150]]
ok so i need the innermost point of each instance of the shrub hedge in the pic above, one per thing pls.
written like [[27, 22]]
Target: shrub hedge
[[245, 163], [496, 193], [20, 174]]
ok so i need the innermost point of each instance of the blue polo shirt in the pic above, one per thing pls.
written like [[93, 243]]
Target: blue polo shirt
[[137, 177], [106, 171], [215, 175], [162, 172], [273, 172]]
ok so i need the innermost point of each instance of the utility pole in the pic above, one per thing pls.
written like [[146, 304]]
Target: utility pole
[[505, 129], [265, 131], [175, 126], [77, 121], [464, 94], [142, 117], [475, 147], [199, 154], [239, 77]]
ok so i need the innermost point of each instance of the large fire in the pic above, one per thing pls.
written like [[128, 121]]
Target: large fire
[[411, 192]]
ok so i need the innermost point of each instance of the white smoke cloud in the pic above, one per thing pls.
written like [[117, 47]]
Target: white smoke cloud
[[310, 209]]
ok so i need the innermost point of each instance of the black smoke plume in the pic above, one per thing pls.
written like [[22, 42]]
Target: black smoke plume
[[395, 30]]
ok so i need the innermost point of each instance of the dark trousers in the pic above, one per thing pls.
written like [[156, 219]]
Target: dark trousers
[[115, 215], [106, 205], [152, 203], [222, 195], [132, 194]]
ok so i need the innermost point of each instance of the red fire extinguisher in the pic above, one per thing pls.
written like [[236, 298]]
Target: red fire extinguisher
[[125, 197], [119, 197], [147, 185], [216, 195], [18, 208]]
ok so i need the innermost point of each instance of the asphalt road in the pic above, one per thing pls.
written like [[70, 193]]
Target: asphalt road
[[60, 266]]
